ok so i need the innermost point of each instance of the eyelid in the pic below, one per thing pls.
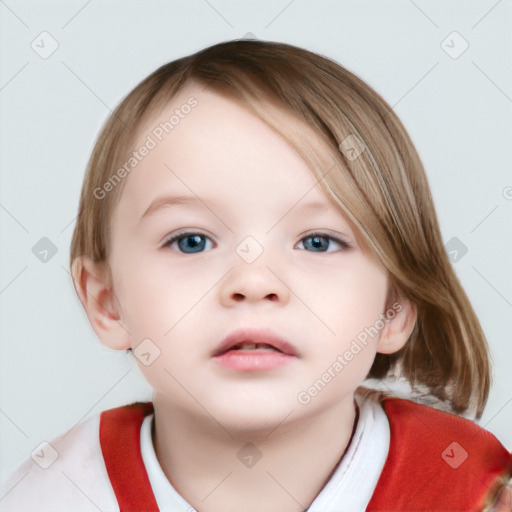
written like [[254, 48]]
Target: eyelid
[[342, 239], [176, 235]]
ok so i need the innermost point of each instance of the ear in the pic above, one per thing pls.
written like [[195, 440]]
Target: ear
[[93, 285], [400, 319]]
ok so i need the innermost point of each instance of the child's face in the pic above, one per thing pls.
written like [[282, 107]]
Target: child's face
[[247, 192]]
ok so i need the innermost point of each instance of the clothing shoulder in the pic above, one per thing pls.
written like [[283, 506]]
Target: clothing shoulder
[[455, 442], [67, 473], [403, 413], [444, 459]]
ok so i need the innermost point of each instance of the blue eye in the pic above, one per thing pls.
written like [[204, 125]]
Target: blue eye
[[318, 242], [189, 243]]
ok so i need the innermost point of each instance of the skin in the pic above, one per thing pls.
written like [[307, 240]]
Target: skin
[[250, 183]]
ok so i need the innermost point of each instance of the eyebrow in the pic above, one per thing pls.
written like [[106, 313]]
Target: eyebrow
[[170, 201]]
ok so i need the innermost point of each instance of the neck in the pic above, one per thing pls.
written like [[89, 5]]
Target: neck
[[282, 467]]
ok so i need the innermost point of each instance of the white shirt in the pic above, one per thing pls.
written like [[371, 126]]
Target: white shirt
[[349, 489], [77, 479]]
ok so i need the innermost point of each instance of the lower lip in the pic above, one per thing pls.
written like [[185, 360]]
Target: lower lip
[[253, 360]]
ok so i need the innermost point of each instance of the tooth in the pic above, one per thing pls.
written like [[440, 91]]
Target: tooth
[[254, 346]]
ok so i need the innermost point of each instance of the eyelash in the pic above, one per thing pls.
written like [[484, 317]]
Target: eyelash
[[343, 243], [185, 234]]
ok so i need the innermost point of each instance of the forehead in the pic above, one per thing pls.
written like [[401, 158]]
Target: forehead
[[202, 138], [216, 110]]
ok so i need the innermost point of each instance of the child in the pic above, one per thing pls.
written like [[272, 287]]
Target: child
[[256, 226]]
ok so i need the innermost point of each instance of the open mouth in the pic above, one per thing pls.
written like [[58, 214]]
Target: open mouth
[[250, 339], [252, 350], [253, 346]]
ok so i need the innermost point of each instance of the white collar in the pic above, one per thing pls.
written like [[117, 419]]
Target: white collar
[[350, 488]]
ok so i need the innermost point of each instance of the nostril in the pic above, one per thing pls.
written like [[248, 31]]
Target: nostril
[[238, 297]]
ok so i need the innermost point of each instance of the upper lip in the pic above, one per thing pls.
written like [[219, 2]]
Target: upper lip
[[254, 336]]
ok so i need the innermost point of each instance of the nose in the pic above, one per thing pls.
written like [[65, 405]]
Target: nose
[[253, 283]]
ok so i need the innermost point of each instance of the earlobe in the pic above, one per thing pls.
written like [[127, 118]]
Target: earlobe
[[399, 321], [94, 288]]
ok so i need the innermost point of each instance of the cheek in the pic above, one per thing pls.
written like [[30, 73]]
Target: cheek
[[368, 291], [349, 299], [155, 294], [140, 291], [350, 309]]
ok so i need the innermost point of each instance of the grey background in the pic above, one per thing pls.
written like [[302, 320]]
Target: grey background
[[54, 372]]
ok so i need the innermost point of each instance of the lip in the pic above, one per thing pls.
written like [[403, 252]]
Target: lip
[[255, 336], [256, 360]]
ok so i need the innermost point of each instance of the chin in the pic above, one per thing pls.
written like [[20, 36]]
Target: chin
[[252, 416], [252, 426]]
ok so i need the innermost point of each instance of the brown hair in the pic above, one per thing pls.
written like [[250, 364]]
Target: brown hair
[[383, 191]]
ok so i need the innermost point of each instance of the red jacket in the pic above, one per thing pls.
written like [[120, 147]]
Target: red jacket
[[436, 462]]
